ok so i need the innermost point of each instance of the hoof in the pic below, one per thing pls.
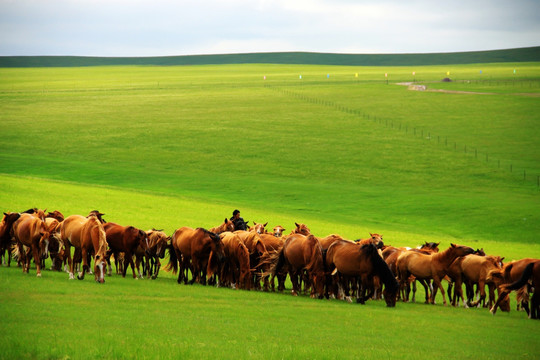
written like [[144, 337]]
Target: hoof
[[38, 274]]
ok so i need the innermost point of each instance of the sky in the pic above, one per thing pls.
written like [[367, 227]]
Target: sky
[[190, 27]]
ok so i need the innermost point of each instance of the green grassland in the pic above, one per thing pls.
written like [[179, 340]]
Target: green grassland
[[179, 146]]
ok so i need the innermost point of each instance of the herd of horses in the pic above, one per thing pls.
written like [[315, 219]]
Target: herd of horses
[[323, 267]]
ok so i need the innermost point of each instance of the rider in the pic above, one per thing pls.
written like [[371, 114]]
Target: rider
[[239, 223]]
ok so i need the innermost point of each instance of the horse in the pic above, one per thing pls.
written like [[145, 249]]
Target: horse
[[301, 253], [258, 228], [158, 242], [272, 244], [192, 247], [55, 215], [363, 261], [56, 248], [227, 225], [474, 269], [301, 229], [5, 235], [278, 230], [256, 248], [374, 239], [87, 236], [125, 239], [433, 266], [235, 270], [390, 255], [510, 276], [32, 232]]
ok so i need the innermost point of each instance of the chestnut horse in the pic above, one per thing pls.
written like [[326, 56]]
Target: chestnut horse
[[353, 260], [374, 239], [125, 239], [192, 247], [158, 242], [278, 230], [426, 267], [301, 229], [272, 244], [258, 228], [301, 253], [509, 278], [474, 269], [256, 249], [235, 269], [87, 236], [32, 232], [227, 225], [5, 235]]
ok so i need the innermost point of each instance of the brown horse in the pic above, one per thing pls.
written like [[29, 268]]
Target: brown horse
[[158, 242], [256, 249], [125, 239], [426, 267], [301, 229], [474, 269], [5, 235], [302, 253], [278, 230], [362, 261], [192, 247], [56, 247], [87, 236], [235, 270], [32, 232], [227, 225], [272, 244], [509, 277], [374, 239], [258, 228], [55, 215]]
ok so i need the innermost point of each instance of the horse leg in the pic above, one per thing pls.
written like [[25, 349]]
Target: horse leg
[[85, 263], [535, 304], [294, 279], [131, 263], [37, 260], [156, 268], [438, 285]]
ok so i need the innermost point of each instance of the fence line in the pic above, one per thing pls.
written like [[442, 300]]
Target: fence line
[[328, 103]]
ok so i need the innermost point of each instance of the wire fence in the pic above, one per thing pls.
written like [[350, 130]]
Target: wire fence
[[519, 173]]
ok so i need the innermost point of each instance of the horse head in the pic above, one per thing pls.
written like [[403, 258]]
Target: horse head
[[461, 250], [259, 228], [44, 241], [278, 231], [216, 245], [98, 215], [302, 229]]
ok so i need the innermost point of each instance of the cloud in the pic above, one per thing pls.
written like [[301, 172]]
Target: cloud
[[168, 27]]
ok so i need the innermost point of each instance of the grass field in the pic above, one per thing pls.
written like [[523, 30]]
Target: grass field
[[167, 147]]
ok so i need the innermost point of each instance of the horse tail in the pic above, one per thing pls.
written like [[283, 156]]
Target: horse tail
[[173, 260], [523, 280], [277, 260]]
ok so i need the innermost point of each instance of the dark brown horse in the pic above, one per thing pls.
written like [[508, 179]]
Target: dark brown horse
[[192, 247], [302, 253], [426, 267], [512, 273], [5, 235], [125, 239], [32, 232], [87, 236], [348, 260]]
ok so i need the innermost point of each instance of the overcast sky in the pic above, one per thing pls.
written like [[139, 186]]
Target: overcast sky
[[185, 27]]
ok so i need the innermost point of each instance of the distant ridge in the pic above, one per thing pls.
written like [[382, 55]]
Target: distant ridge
[[529, 54]]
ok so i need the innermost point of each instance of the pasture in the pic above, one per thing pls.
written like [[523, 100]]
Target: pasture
[[167, 147]]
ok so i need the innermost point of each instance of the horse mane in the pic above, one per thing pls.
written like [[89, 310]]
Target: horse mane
[[213, 235], [380, 267]]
